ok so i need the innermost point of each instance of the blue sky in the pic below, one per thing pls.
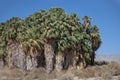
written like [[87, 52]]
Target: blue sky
[[105, 14]]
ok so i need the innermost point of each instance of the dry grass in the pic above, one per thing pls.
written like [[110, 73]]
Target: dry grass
[[104, 71]]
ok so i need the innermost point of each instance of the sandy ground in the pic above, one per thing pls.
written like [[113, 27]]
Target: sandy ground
[[110, 71]]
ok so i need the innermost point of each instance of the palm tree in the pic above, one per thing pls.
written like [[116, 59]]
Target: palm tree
[[33, 43], [50, 34], [95, 37], [12, 34], [3, 51], [87, 21], [96, 41], [69, 37]]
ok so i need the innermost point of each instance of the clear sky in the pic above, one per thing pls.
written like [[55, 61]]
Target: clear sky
[[105, 14]]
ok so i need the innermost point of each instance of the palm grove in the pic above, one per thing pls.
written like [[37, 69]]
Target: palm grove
[[51, 39]]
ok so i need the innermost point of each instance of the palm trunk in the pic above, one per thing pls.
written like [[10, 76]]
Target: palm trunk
[[1, 63], [92, 58], [59, 61], [75, 59], [16, 56], [67, 59], [81, 62], [2, 56], [49, 56], [31, 60], [31, 63], [21, 58], [41, 59]]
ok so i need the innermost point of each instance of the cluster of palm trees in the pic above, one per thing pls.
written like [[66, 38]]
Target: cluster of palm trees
[[50, 39]]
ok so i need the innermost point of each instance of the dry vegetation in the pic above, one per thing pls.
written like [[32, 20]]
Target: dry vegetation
[[106, 71]]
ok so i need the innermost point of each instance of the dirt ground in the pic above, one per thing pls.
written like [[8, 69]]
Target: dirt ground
[[110, 71]]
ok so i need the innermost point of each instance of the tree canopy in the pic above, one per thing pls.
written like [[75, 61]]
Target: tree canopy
[[65, 31]]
